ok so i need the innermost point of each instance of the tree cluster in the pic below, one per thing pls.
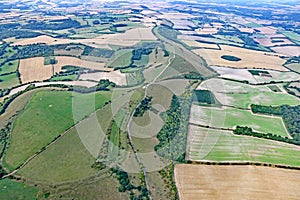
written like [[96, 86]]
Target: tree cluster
[[143, 107]]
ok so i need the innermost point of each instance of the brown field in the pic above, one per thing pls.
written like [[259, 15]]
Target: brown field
[[267, 30], [236, 182], [33, 69], [65, 60], [250, 58], [245, 30], [268, 42], [288, 50], [207, 30], [115, 76]]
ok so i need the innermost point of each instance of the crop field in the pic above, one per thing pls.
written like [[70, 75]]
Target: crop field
[[250, 182], [216, 145], [49, 114], [65, 60], [200, 44], [11, 189], [245, 75], [114, 76], [294, 67], [225, 117], [66, 160], [288, 50], [242, 95], [261, 98], [33, 69], [249, 58]]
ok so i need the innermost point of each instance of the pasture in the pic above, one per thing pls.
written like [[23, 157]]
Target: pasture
[[48, 114], [226, 117], [66, 160], [236, 182], [215, 145], [9, 67], [11, 189], [249, 58], [8, 81]]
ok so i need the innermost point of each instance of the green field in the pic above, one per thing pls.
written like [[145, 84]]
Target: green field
[[49, 114], [215, 145], [294, 67], [231, 117], [10, 189], [291, 35], [66, 160], [8, 81], [229, 38], [263, 98], [72, 77], [121, 59], [253, 25], [9, 67], [143, 62]]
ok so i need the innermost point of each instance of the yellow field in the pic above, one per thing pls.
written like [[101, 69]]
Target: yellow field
[[193, 43], [115, 76], [33, 69], [236, 182], [250, 58], [66, 60]]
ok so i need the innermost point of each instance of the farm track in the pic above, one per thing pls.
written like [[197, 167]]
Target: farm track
[[131, 119]]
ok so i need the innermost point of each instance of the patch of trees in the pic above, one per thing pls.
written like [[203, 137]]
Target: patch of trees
[[256, 72], [125, 185], [33, 50], [143, 107], [172, 136], [249, 132], [97, 52], [18, 34], [102, 85], [231, 58], [204, 96], [143, 49], [4, 92], [289, 114], [63, 24], [5, 27], [193, 75]]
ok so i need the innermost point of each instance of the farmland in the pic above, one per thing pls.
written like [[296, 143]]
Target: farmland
[[203, 181], [249, 58], [226, 117], [45, 115], [138, 100], [216, 145]]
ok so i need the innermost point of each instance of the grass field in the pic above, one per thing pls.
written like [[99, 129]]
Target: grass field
[[72, 77], [48, 114], [243, 95], [261, 98], [8, 81], [66, 160], [231, 117], [10, 189], [122, 58], [294, 67], [236, 182], [216, 145], [9, 67]]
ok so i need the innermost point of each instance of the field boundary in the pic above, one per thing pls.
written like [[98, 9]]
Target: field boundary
[[239, 163]]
